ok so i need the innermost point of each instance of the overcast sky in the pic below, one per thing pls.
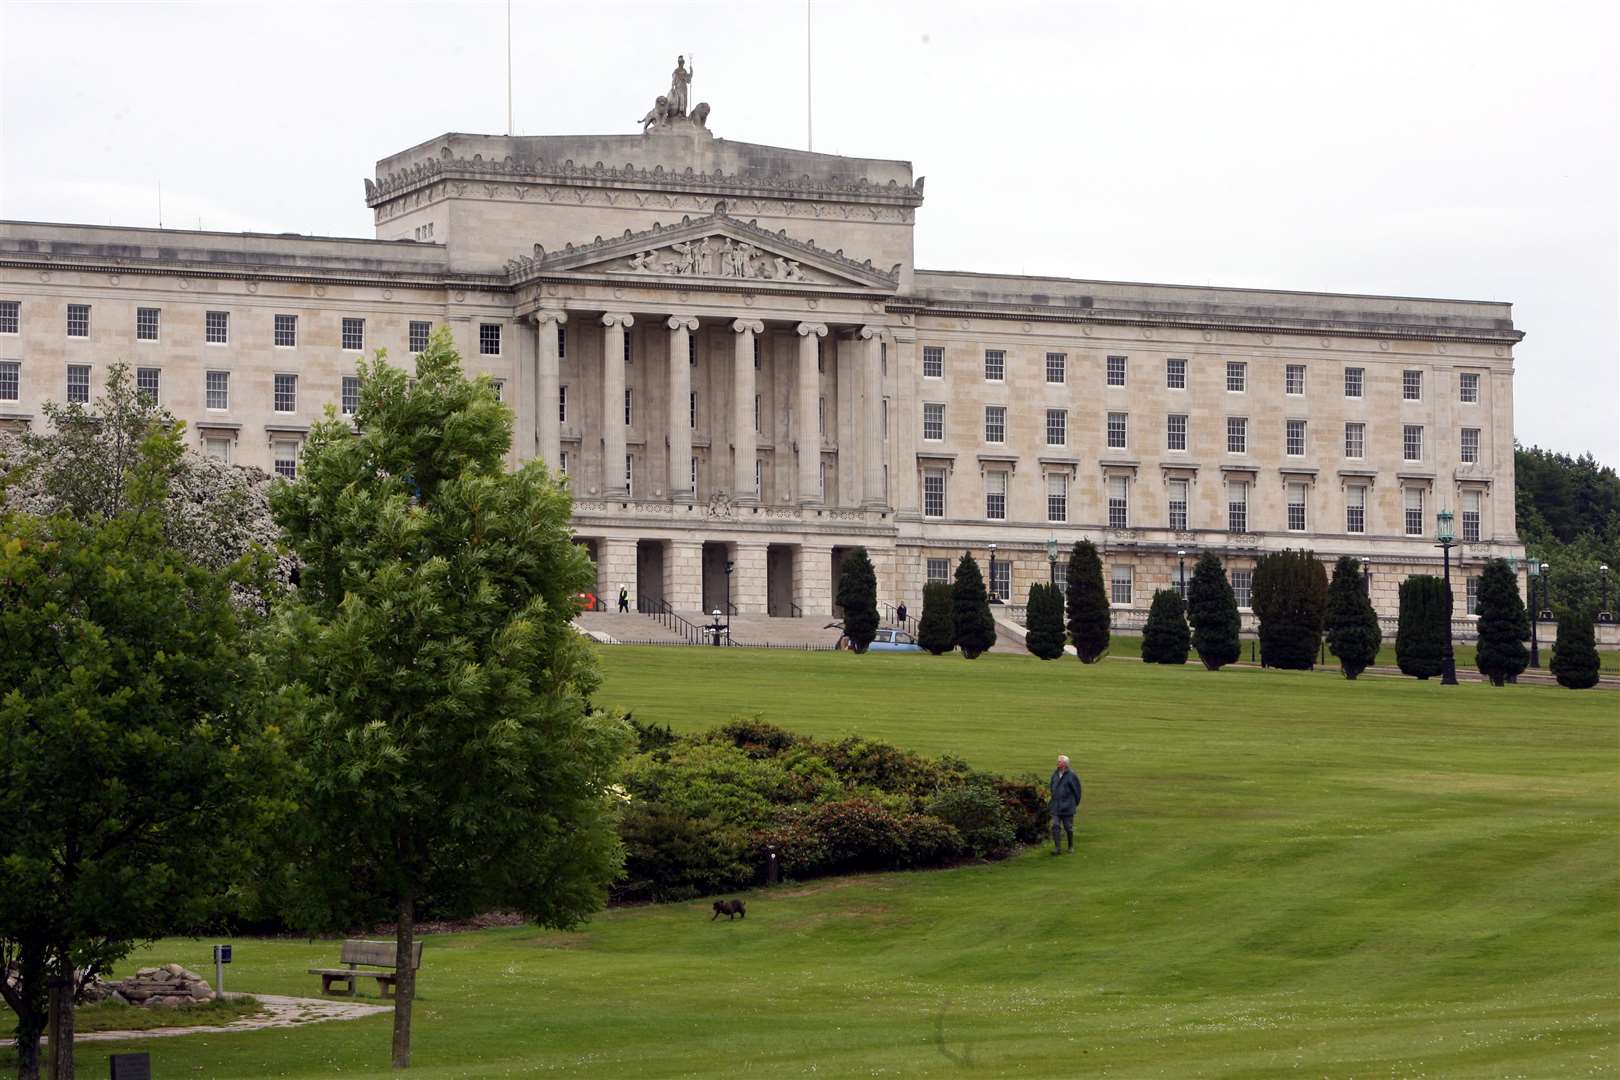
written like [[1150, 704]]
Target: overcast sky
[[1427, 149]]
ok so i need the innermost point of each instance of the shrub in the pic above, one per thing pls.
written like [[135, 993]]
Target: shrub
[[1043, 626], [649, 736], [1028, 804], [1353, 633], [711, 780], [1574, 657], [754, 736], [1420, 636], [978, 813], [970, 610], [670, 855], [1165, 638], [854, 835], [1503, 624], [927, 841], [936, 632], [1290, 598], [860, 762], [1212, 611], [857, 595], [1088, 613]]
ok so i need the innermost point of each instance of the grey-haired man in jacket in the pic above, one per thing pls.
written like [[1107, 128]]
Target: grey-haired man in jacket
[[1065, 801]]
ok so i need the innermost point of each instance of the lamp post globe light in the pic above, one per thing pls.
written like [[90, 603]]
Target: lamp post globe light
[[716, 628], [1446, 538], [1604, 614], [1181, 562], [1051, 565], [995, 598], [728, 601], [1366, 575], [1532, 572]]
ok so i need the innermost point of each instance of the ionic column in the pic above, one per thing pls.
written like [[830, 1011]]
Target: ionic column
[[613, 403], [809, 426], [680, 402], [872, 407], [744, 441], [548, 379]]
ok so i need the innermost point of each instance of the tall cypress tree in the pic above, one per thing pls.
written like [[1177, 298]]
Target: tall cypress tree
[[1088, 613], [1353, 633], [1165, 638], [1212, 611], [936, 630], [857, 595], [1503, 624], [1043, 627], [1574, 655], [1290, 598], [970, 605], [1420, 637]]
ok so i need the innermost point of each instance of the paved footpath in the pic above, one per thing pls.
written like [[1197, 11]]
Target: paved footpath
[[278, 1012]]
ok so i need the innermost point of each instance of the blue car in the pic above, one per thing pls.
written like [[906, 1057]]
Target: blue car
[[894, 641]]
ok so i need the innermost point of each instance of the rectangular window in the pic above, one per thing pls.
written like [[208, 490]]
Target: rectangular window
[[1175, 432], [1116, 431], [1178, 505], [1294, 440], [1470, 445], [939, 571], [629, 347], [1413, 501], [146, 383], [995, 365], [934, 493], [286, 393], [759, 476], [1057, 427], [500, 389], [691, 410], [1237, 506], [995, 496], [419, 335], [1353, 381], [78, 383], [489, 339], [629, 406], [217, 448], [885, 422], [217, 387], [1470, 517], [693, 480], [1119, 505], [1242, 587], [1471, 590], [933, 421], [146, 324], [1175, 374], [995, 423], [562, 342], [1468, 388], [354, 334], [1355, 509], [1237, 376], [1237, 435], [351, 395], [756, 353], [758, 412], [691, 351], [1294, 379], [1411, 385], [1355, 441], [1057, 496], [1056, 367], [1296, 507], [1001, 580], [933, 362], [78, 320], [1060, 575], [10, 380], [821, 356], [10, 316], [630, 476], [821, 416], [562, 462], [1412, 442], [286, 331], [1116, 370], [217, 328], [1120, 580], [284, 457], [562, 405]]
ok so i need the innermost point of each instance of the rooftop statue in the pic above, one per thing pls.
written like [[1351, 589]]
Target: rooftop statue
[[670, 110]]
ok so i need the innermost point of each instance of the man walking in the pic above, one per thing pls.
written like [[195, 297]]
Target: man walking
[[1065, 801], [624, 600]]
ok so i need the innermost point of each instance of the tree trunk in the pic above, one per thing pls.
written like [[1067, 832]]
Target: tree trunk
[[60, 1024], [24, 999], [405, 981]]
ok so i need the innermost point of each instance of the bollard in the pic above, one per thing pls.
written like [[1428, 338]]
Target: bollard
[[772, 868]]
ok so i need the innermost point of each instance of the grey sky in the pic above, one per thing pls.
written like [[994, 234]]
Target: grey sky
[[1431, 149]]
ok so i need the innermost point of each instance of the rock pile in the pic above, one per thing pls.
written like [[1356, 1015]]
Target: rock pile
[[169, 986]]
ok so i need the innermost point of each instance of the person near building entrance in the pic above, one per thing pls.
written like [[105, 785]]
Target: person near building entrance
[[900, 614], [1065, 801], [624, 600]]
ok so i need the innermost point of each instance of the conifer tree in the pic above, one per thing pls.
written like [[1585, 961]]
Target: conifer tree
[[1574, 655], [936, 630], [1165, 638], [857, 595], [1043, 626], [1290, 598], [970, 605], [1212, 611], [1503, 624], [1088, 613], [1353, 633], [1420, 636]]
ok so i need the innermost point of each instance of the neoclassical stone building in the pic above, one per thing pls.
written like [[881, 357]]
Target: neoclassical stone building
[[729, 351]]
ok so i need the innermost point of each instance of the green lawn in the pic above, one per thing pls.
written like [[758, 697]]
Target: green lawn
[[1125, 645], [1280, 873]]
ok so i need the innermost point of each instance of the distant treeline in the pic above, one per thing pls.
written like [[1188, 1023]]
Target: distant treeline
[[1568, 514]]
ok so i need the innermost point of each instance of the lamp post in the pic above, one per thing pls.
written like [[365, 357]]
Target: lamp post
[[1532, 571], [1051, 564], [1447, 538], [728, 601], [994, 598], [716, 628], [1605, 615], [1366, 575], [1181, 561]]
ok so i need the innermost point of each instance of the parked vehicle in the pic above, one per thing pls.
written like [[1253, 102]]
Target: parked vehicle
[[894, 641]]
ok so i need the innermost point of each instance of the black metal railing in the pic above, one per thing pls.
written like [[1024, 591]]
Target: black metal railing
[[660, 612], [891, 614]]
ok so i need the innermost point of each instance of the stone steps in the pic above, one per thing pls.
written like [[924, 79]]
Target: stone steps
[[628, 628]]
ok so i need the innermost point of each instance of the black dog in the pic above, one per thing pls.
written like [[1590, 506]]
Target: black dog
[[728, 908]]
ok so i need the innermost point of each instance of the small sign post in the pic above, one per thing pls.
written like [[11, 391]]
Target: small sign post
[[131, 1066], [222, 956]]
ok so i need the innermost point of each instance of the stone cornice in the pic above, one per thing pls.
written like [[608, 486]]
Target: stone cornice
[[539, 171], [181, 269]]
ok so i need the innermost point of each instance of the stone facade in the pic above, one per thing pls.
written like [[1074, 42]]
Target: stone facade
[[729, 351]]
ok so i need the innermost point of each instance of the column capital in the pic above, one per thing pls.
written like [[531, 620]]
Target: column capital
[[541, 316], [869, 332], [682, 322], [817, 329], [618, 318], [743, 325]]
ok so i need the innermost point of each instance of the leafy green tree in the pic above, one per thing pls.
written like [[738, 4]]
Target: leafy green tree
[[1043, 626], [857, 595], [1212, 611], [1420, 636], [970, 608], [1574, 656], [1503, 624], [1088, 613], [133, 758], [1289, 596], [1165, 638], [441, 721], [936, 630], [1353, 633]]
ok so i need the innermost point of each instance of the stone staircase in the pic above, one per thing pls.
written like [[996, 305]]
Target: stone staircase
[[807, 632], [611, 628]]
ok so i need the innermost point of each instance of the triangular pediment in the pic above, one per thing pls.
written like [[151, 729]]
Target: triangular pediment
[[715, 249]]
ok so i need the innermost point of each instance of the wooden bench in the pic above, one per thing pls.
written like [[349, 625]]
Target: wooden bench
[[378, 954]]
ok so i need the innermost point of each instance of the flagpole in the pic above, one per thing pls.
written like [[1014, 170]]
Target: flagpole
[[508, 67], [809, 85]]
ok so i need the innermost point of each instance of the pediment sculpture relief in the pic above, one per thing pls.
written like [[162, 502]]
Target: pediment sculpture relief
[[720, 257]]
